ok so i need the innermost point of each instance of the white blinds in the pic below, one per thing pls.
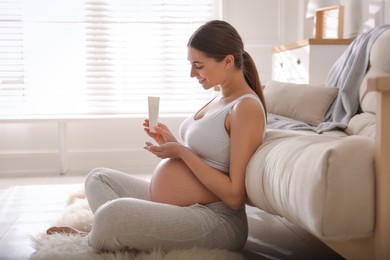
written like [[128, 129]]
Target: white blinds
[[98, 57], [11, 56]]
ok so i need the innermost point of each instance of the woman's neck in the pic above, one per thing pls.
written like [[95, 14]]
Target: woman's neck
[[235, 85]]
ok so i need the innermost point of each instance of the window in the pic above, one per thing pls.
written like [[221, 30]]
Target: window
[[98, 56]]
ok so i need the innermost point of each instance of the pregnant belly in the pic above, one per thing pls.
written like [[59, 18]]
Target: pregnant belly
[[174, 183]]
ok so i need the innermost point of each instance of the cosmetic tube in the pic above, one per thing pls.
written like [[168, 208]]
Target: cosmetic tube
[[153, 103]]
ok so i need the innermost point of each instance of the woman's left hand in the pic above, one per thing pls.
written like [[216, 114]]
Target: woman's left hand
[[167, 150]]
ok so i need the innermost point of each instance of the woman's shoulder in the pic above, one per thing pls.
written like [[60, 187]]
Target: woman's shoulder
[[248, 101], [248, 108]]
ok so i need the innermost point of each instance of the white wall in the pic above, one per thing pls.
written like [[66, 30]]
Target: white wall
[[29, 149], [263, 24], [32, 149]]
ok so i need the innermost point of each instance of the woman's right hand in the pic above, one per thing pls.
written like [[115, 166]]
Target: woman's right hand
[[162, 133]]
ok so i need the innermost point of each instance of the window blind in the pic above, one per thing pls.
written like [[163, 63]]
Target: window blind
[[11, 56], [99, 56]]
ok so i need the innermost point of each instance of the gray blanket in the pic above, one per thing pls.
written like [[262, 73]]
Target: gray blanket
[[347, 75]]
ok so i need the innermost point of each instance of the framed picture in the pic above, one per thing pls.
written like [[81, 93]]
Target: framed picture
[[329, 22]]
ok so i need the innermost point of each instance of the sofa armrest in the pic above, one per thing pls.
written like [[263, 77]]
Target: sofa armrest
[[382, 164]]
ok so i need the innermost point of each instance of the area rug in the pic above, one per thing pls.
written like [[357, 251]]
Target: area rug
[[77, 214]]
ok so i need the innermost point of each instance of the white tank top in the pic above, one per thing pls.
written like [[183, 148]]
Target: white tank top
[[207, 136]]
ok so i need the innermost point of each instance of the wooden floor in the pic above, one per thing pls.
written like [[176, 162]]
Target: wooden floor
[[29, 205]]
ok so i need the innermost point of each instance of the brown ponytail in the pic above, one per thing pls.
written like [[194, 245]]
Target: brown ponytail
[[217, 39], [252, 77]]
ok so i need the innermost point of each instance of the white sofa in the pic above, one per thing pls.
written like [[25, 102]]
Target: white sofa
[[336, 185]]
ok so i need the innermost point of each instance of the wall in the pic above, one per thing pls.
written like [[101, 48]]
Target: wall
[[263, 24], [31, 149]]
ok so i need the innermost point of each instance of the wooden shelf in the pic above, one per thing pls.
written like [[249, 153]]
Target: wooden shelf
[[311, 41]]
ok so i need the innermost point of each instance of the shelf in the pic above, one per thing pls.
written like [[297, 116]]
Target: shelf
[[311, 41]]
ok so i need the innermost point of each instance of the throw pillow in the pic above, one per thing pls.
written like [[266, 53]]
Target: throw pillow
[[301, 102]]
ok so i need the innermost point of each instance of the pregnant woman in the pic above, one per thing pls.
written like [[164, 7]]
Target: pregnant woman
[[196, 196]]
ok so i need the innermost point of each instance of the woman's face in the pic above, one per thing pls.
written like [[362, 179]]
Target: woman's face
[[206, 70]]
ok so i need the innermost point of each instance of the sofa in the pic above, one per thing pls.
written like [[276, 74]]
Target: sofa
[[334, 183]]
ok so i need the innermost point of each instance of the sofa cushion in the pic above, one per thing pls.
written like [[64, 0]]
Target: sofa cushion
[[323, 183], [302, 102], [362, 124]]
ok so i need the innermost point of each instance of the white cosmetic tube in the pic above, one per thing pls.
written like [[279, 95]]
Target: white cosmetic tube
[[153, 103]]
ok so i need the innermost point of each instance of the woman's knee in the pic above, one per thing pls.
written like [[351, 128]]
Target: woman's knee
[[92, 176], [95, 172]]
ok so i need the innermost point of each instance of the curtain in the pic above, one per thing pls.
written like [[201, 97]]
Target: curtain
[[98, 56]]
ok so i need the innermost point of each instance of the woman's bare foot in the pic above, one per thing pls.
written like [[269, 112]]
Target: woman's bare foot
[[66, 230]]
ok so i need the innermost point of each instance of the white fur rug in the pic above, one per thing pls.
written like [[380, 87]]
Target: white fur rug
[[77, 214]]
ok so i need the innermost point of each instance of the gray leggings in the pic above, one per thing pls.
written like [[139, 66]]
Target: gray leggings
[[124, 217]]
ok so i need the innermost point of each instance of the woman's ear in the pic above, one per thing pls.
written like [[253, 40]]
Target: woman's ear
[[229, 61]]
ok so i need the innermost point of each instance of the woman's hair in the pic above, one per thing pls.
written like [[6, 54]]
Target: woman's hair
[[217, 39]]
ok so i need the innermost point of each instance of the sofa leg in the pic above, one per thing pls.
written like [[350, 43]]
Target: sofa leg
[[382, 163]]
